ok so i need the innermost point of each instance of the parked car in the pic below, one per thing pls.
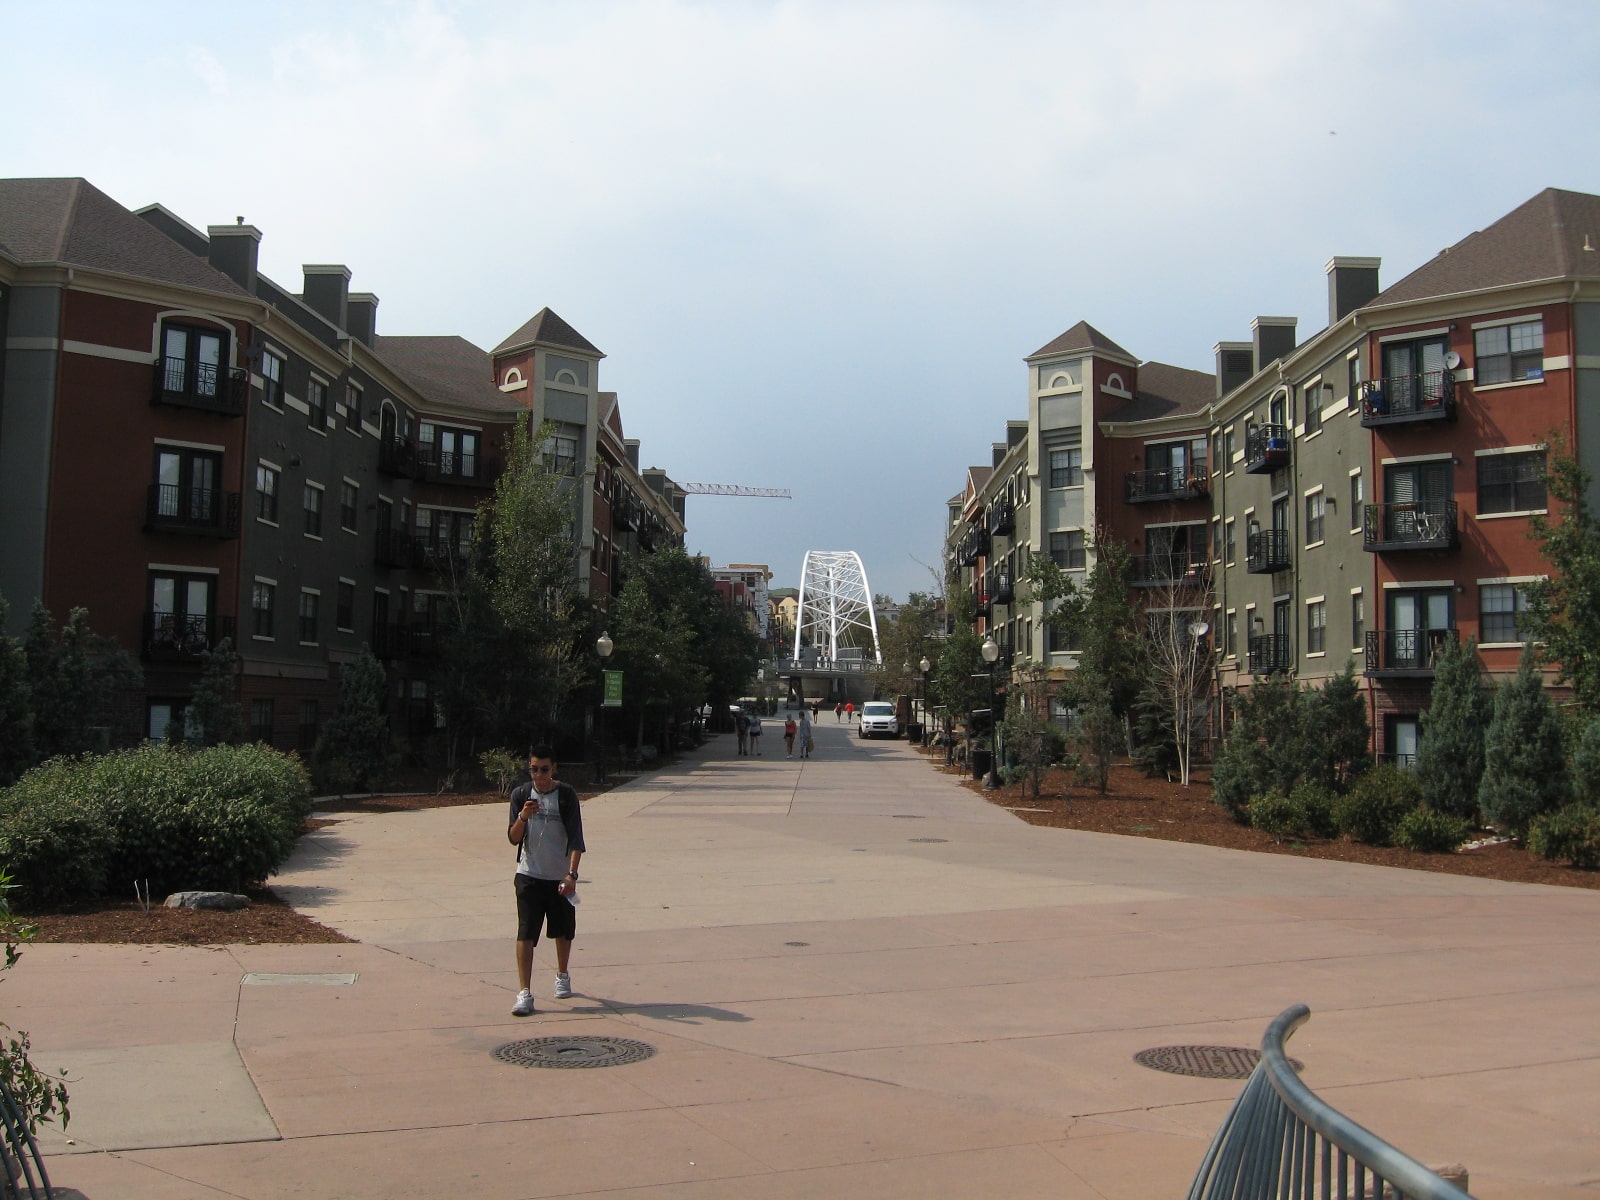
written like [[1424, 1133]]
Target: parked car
[[878, 716]]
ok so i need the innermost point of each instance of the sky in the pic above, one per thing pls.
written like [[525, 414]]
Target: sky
[[817, 239]]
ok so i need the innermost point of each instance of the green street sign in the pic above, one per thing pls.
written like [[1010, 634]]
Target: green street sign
[[613, 690]]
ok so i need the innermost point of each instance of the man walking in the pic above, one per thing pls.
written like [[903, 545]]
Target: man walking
[[741, 729], [547, 829]]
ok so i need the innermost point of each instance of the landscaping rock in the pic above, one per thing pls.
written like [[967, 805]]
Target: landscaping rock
[[226, 901]]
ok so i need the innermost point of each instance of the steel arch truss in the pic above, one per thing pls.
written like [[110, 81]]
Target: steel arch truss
[[836, 605]]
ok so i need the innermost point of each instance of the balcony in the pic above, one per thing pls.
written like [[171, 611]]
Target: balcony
[[1000, 590], [1002, 519], [1270, 654], [394, 548], [1420, 525], [192, 512], [432, 465], [1266, 449], [397, 458], [973, 547], [1404, 653], [441, 555], [179, 637], [1266, 551], [1168, 570], [980, 605], [1404, 399], [209, 388], [1168, 483]]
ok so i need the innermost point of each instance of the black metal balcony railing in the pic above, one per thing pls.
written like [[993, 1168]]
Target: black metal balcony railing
[[1266, 448], [397, 457], [1270, 654], [394, 548], [1000, 589], [1267, 550], [1170, 569], [1419, 525], [1002, 519], [204, 386], [441, 554], [466, 470], [1167, 483], [1404, 651], [201, 512], [973, 547], [1400, 399], [182, 637]]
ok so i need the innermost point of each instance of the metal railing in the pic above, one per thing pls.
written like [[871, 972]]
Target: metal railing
[[1267, 550], [206, 512], [1280, 1141], [1173, 567], [182, 637], [22, 1172], [206, 386], [1266, 448], [1270, 653], [1165, 483], [1396, 398], [1413, 525], [1404, 651]]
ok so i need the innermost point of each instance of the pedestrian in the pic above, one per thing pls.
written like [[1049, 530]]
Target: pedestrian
[[838, 712], [850, 711], [789, 729], [741, 727], [755, 734], [547, 829], [816, 707], [805, 735]]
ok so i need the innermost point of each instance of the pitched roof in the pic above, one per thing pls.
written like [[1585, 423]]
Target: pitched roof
[[546, 327], [1543, 238], [448, 369], [72, 221], [1167, 391], [1082, 336]]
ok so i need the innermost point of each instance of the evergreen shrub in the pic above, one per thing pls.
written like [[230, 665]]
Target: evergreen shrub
[[1571, 834], [1371, 811], [1274, 813], [1428, 831]]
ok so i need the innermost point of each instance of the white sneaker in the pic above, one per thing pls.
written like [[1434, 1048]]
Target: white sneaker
[[524, 1005], [563, 986]]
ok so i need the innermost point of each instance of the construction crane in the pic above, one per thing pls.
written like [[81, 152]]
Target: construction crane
[[733, 489]]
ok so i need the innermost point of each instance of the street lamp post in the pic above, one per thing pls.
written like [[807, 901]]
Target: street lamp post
[[991, 652], [603, 646], [924, 664]]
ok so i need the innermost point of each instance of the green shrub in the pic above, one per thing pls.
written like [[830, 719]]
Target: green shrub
[[1428, 831], [55, 841], [1571, 833], [1314, 802], [1276, 814], [500, 767], [1374, 807]]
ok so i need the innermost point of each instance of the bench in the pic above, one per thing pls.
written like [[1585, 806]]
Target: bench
[[1279, 1141]]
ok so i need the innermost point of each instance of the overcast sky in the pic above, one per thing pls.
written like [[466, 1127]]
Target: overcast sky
[[815, 239]]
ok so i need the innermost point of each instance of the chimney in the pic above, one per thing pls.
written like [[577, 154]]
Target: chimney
[[630, 447], [1352, 282], [997, 451], [1016, 432], [1273, 338], [363, 317], [1235, 365], [327, 292], [233, 250]]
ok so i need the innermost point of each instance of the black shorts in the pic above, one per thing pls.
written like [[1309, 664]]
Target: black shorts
[[538, 903]]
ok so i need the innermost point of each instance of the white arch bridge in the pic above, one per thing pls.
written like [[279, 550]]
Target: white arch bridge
[[836, 631]]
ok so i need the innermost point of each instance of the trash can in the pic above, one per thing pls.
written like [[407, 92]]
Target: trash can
[[980, 763], [914, 731]]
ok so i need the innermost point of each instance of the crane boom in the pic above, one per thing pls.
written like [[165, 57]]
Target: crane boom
[[734, 489]]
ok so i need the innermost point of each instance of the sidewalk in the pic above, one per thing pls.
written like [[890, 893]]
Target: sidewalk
[[858, 978]]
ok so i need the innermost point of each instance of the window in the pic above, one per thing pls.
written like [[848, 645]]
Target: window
[[181, 621], [1066, 468], [307, 741], [444, 451], [1058, 640], [349, 498], [345, 612], [267, 493], [309, 603], [1232, 643], [1358, 619], [317, 402], [1358, 493], [1353, 378], [1227, 451], [1316, 626], [192, 362], [313, 503], [272, 380], [1216, 538], [560, 450], [1229, 545], [1067, 550], [352, 408], [167, 720], [263, 600], [1509, 353], [1413, 375], [1313, 409], [1314, 516], [261, 721], [1511, 482], [1500, 613], [186, 489]]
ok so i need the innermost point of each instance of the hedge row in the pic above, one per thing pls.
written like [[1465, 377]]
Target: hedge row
[[1384, 808], [223, 818]]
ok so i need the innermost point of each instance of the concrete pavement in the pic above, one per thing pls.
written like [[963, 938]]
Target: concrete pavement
[[859, 979]]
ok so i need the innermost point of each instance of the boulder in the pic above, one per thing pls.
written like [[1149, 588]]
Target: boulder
[[226, 901]]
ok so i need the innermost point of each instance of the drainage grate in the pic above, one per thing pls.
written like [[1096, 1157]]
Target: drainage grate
[[797, 943], [927, 840], [1206, 1062], [573, 1052]]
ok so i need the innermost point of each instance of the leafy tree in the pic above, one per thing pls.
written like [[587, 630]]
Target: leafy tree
[[1031, 741], [905, 639], [1524, 768], [1564, 608], [1450, 748], [1261, 752], [353, 750], [214, 717], [16, 706], [1334, 732], [961, 679], [76, 679]]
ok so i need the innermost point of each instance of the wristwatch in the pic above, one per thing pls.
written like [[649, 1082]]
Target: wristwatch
[[572, 874]]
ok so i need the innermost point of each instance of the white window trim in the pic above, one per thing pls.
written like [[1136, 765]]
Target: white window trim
[[1501, 516], [1446, 456], [1411, 585], [1500, 387], [1524, 319], [1413, 335], [182, 569], [1513, 579], [1494, 450], [177, 445]]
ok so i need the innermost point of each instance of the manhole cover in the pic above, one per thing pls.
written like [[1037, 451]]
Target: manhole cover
[[573, 1052], [1206, 1062], [928, 840], [797, 943], [908, 816]]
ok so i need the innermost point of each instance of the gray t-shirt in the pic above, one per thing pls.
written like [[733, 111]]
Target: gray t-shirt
[[544, 853]]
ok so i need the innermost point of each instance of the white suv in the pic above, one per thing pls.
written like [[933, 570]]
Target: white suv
[[878, 716]]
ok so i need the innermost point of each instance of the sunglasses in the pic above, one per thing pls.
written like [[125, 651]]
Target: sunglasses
[[540, 770]]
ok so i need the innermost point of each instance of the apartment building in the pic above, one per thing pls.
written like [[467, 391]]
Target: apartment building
[[193, 452]]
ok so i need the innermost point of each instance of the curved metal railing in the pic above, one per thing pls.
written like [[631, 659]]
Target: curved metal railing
[[22, 1170], [1281, 1142]]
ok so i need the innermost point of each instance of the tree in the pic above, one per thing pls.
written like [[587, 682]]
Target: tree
[[16, 706], [1525, 771], [354, 750], [214, 717], [1564, 608], [1177, 673], [1586, 764], [1334, 733], [76, 680], [1450, 747], [961, 679], [1031, 741], [905, 639], [1262, 750]]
